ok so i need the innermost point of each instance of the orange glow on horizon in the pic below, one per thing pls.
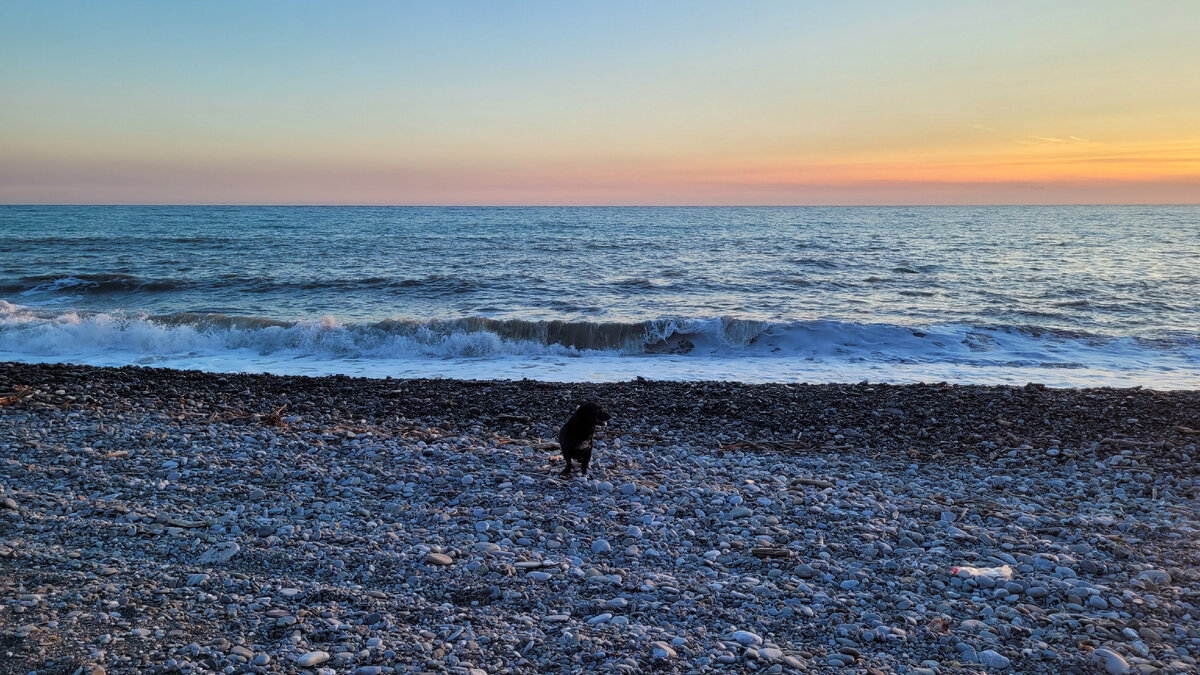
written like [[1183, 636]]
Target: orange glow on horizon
[[1083, 163]]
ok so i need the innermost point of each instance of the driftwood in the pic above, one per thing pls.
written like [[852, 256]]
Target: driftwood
[[1125, 441], [1187, 431], [227, 414], [19, 392], [767, 445], [769, 552], [428, 435], [275, 418]]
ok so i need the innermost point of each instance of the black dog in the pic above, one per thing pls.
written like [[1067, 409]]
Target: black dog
[[575, 437]]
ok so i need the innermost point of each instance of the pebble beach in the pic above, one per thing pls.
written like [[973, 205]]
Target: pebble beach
[[156, 521]]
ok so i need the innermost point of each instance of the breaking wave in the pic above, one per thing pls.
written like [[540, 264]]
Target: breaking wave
[[669, 348], [51, 333]]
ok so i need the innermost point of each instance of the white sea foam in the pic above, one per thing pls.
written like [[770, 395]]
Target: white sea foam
[[676, 349]]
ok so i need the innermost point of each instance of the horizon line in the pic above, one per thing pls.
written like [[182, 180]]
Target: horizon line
[[586, 206]]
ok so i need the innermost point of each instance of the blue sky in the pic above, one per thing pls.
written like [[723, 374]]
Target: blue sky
[[615, 102]]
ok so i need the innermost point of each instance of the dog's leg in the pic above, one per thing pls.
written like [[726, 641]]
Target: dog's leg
[[585, 459], [567, 471]]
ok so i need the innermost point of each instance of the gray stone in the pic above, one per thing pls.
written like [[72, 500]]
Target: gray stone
[[770, 653], [220, 553], [993, 659], [662, 650], [1157, 577], [1112, 662]]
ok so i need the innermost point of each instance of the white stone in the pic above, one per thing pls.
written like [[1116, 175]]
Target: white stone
[[746, 637], [312, 659]]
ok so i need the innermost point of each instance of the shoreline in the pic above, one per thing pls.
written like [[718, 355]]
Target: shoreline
[[162, 521], [697, 405]]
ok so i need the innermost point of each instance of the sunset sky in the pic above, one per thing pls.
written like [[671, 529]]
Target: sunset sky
[[599, 102]]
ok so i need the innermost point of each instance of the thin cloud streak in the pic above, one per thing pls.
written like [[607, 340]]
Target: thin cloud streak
[[1068, 140]]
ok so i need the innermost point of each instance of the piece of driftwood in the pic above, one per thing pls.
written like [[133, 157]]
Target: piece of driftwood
[[19, 392], [769, 552], [767, 445], [1124, 441], [275, 417]]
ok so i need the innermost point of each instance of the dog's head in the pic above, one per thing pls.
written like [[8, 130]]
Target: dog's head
[[592, 413]]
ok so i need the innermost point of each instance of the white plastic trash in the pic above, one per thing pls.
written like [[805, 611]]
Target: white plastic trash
[[1001, 572]]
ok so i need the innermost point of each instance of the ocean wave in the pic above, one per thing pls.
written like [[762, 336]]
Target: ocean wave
[[117, 283], [29, 331], [81, 284]]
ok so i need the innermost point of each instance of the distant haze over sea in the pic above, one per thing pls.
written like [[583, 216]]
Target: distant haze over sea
[[1078, 296]]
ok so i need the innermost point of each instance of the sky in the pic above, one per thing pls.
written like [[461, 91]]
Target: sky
[[613, 102]]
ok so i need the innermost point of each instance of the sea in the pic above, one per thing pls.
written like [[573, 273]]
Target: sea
[[1070, 296]]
